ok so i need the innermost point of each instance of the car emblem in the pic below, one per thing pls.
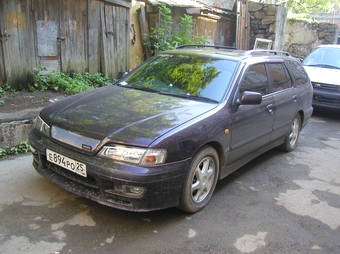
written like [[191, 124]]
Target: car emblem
[[86, 147], [317, 85]]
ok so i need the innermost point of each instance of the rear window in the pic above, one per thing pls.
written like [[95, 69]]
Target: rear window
[[279, 76], [179, 74], [297, 72]]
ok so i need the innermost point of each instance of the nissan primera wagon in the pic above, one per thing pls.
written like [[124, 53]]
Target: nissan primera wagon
[[164, 134]]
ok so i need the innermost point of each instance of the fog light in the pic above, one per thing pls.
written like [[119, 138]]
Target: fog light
[[133, 190], [129, 190]]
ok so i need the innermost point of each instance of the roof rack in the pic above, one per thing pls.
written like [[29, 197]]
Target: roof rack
[[259, 51], [204, 46]]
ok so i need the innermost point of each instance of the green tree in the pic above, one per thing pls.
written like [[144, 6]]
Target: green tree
[[311, 6], [164, 37]]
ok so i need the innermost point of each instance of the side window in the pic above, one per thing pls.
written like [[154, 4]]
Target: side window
[[280, 77], [298, 73], [255, 80]]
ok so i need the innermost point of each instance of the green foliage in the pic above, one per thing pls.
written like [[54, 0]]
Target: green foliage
[[67, 83], [179, 75], [185, 34], [23, 147], [3, 89], [311, 6], [164, 38]]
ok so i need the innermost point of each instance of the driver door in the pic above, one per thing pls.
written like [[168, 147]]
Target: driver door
[[252, 124]]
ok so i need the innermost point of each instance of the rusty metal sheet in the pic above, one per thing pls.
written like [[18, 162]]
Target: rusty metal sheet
[[47, 32]]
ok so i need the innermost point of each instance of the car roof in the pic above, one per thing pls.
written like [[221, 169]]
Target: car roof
[[227, 52], [328, 46]]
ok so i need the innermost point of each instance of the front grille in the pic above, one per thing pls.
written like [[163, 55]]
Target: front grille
[[326, 87], [86, 186], [88, 181], [327, 100]]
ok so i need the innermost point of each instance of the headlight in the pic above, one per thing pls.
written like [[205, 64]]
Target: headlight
[[42, 126], [141, 156]]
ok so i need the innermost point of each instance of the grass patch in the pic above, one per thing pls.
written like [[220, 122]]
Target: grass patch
[[72, 83]]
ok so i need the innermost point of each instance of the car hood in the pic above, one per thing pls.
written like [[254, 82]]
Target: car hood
[[118, 114], [323, 75]]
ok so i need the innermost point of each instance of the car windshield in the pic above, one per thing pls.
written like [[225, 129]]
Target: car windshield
[[324, 57], [187, 76]]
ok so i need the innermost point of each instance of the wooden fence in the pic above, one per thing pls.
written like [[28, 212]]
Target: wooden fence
[[68, 35]]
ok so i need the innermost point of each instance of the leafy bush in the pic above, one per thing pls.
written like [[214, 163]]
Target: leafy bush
[[164, 38], [23, 147], [3, 89], [67, 83]]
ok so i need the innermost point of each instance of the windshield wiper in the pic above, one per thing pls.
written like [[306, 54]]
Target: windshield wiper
[[324, 66], [191, 97], [140, 88]]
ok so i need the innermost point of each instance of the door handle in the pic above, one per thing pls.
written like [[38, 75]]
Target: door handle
[[294, 98], [270, 108]]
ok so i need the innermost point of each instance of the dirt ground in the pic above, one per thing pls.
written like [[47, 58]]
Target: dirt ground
[[22, 100]]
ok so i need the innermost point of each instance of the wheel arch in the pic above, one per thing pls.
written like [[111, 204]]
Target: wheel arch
[[302, 118], [219, 149]]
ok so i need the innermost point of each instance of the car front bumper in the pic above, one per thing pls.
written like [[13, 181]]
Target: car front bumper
[[327, 98], [161, 184]]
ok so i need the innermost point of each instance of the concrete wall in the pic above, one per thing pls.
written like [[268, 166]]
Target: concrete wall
[[12, 133], [302, 36], [136, 51]]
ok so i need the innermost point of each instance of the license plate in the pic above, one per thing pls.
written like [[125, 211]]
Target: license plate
[[65, 162]]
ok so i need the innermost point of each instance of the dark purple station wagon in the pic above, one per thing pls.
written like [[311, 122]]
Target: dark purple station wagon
[[166, 132]]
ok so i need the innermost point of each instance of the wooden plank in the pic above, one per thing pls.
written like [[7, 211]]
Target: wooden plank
[[63, 39], [93, 36], [32, 32], [14, 21], [242, 36], [123, 3], [144, 30], [127, 40], [103, 48]]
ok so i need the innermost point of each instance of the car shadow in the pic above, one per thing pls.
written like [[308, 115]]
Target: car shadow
[[327, 113]]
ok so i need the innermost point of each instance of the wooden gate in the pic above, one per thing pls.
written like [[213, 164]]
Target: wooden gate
[[68, 35], [15, 43]]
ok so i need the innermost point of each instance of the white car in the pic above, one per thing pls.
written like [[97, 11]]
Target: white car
[[323, 68]]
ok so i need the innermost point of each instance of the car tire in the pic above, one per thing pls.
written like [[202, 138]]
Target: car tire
[[293, 136], [200, 180]]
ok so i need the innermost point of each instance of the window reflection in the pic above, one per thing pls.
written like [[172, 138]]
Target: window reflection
[[188, 75]]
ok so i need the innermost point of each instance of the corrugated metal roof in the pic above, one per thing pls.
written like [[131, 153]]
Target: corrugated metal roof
[[177, 3], [189, 4]]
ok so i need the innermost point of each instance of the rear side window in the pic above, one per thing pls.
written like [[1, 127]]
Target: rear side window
[[255, 80], [279, 76], [298, 73]]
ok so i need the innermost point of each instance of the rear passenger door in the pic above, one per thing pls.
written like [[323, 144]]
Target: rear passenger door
[[285, 99], [252, 124]]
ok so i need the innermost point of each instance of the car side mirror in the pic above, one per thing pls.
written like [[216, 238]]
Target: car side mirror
[[250, 98]]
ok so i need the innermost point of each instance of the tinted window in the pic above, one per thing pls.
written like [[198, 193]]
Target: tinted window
[[255, 80], [184, 75], [298, 73], [279, 77]]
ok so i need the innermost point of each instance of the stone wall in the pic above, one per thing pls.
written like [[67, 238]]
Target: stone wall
[[302, 36], [269, 21], [262, 22]]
